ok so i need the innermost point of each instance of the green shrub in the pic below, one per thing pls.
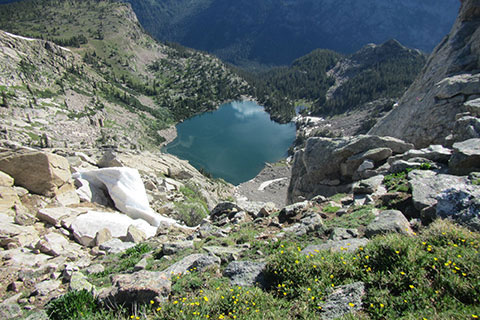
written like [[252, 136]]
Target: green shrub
[[361, 216], [331, 209], [73, 305], [397, 181]]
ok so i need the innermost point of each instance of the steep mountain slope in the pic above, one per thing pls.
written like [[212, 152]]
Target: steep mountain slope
[[170, 83], [277, 32], [373, 72], [426, 113], [331, 84], [50, 97]]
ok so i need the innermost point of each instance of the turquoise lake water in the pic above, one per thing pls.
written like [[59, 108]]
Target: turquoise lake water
[[233, 142]]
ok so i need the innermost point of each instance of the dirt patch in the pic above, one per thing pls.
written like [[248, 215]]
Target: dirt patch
[[270, 185]]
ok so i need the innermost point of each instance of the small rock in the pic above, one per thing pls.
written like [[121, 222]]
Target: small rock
[[267, 210], [5, 180], [44, 288], [141, 265], [319, 199], [461, 205], [23, 217], [54, 216], [193, 262], [293, 211], [10, 311], [466, 157], [135, 235], [226, 254], [224, 210], [116, 246], [245, 273], [342, 234], [15, 286], [78, 282], [103, 236], [343, 300], [95, 268], [369, 185], [175, 247]]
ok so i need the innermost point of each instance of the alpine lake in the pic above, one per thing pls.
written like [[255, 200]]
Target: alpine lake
[[233, 142]]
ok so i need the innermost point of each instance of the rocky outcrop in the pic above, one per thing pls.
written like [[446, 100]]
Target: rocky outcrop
[[426, 113], [327, 166], [52, 176]]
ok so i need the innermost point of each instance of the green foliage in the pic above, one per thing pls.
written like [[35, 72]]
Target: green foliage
[[403, 274], [389, 78], [120, 262], [426, 166], [193, 209], [305, 79], [73, 305], [361, 216], [330, 209], [397, 181]]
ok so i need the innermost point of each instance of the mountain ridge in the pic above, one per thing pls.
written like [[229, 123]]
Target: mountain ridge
[[277, 32], [159, 83]]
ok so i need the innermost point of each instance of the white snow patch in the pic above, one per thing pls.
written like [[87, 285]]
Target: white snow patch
[[19, 37], [269, 182]]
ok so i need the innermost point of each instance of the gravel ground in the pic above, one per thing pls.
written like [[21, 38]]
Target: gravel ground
[[270, 185]]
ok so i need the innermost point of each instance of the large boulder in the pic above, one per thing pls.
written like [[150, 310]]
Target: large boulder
[[461, 205], [426, 113], [86, 226], [466, 157], [327, 166], [40, 172], [426, 185], [245, 273], [389, 221], [126, 189], [140, 287], [446, 196]]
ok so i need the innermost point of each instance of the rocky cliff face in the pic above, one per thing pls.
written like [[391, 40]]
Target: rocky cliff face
[[426, 113]]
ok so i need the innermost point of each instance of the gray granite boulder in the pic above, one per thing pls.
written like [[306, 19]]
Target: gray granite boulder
[[466, 157], [343, 300], [194, 262], [140, 288], [426, 185], [389, 221], [245, 273], [460, 204], [175, 247]]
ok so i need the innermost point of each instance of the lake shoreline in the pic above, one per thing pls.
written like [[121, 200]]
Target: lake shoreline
[[233, 142]]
